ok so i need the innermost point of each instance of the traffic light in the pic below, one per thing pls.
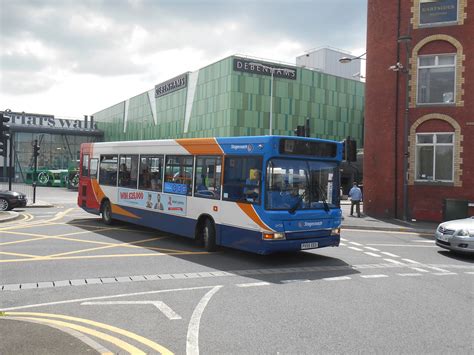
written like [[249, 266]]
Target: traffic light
[[300, 131], [4, 133], [349, 149], [36, 149]]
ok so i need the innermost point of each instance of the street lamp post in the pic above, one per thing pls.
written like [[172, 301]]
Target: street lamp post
[[272, 73]]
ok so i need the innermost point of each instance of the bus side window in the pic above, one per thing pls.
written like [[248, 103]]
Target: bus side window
[[85, 165], [242, 179], [93, 168], [207, 182], [151, 172], [179, 174], [108, 170], [128, 171]]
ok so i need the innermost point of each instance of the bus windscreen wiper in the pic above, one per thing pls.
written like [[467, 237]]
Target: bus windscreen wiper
[[321, 193], [296, 205]]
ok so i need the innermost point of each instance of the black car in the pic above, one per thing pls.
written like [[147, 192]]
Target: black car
[[11, 199]]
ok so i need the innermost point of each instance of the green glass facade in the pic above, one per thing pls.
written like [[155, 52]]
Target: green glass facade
[[227, 102]]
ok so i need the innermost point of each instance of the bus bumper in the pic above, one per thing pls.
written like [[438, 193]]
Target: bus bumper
[[274, 246]]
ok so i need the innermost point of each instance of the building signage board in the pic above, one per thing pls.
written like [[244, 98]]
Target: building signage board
[[47, 121], [438, 11], [171, 85], [263, 68]]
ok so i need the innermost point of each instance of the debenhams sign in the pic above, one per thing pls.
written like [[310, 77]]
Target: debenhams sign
[[257, 67], [171, 85]]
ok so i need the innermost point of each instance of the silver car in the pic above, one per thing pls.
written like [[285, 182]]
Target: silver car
[[457, 235]]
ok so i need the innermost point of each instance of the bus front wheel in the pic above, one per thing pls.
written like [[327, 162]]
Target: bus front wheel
[[209, 235], [106, 213]]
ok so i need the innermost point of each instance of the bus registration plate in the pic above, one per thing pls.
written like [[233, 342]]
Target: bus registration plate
[[309, 245]]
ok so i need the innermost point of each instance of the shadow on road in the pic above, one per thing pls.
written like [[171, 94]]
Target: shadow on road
[[311, 265]]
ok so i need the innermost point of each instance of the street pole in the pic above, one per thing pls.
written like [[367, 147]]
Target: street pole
[[35, 169], [11, 164], [271, 103]]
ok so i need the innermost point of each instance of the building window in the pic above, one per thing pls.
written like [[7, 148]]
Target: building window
[[434, 156], [208, 177], [436, 79]]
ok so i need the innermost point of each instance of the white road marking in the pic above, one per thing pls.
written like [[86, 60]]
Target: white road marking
[[340, 278], [410, 274], [192, 338], [342, 244], [373, 276], [469, 272], [107, 297], [292, 281], [354, 248], [344, 240], [444, 273], [390, 254], [403, 245], [164, 308], [354, 243], [394, 261], [253, 284], [412, 261], [372, 254], [370, 248], [418, 269], [423, 241]]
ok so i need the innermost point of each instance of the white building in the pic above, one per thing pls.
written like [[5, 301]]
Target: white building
[[326, 59]]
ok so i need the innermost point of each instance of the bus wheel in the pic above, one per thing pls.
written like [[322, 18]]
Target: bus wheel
[[106, 213], [209, 235]]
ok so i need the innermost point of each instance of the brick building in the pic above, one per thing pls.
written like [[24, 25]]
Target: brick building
[[419, 100]]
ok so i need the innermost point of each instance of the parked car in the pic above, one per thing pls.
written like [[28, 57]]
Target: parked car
[[456, 235], [11, 199]]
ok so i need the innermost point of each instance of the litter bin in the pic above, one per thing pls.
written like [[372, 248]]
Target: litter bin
[[455, 209]]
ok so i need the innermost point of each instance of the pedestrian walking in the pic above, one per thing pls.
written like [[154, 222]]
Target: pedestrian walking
[[355, 194]]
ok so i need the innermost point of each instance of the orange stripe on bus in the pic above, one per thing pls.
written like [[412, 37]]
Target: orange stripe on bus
[[199, 146], [119, 210], [249, 211]]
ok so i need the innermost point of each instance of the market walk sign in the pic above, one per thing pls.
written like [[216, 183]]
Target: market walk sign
[[33, 120]]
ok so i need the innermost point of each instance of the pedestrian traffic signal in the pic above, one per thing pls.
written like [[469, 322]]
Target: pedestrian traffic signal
[[300, 131]]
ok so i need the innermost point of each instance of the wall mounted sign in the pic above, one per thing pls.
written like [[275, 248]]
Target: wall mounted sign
[[438, 11], [263, 68], [171, 85], [49, 121]]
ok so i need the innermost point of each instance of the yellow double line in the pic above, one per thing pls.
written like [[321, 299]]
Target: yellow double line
[[62, 321]]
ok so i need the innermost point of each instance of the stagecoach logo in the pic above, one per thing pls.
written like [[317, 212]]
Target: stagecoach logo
[[307, 224], [171, 85], [247, 147]]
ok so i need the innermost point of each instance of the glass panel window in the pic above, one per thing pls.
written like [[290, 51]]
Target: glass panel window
[[128, 171], [424, 138], [108, 170], [434, 157], [151, 173], [179, 174], [93, 168], [208, 177], [434, 12], [298, 184], [436, 79], [242, 179], [85, 165]]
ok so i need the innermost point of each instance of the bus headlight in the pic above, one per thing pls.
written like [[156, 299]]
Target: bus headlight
[[336, 231], [273, 236]]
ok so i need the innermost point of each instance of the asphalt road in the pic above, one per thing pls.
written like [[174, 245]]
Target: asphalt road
[[123, 289]]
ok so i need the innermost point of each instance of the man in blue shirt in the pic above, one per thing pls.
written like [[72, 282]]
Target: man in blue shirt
[[356, 196]]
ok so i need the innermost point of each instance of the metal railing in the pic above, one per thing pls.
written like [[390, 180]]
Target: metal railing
[[18, 187]]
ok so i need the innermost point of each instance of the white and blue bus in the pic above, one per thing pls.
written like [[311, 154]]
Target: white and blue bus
[[261, 194]]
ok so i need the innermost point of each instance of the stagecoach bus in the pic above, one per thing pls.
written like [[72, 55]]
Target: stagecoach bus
[[261, 194]]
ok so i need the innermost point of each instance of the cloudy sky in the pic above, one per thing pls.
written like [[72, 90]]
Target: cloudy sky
[[70, 58]]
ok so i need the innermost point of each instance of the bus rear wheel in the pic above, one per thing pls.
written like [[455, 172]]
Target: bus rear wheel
[[209, 235], [107, 213]]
